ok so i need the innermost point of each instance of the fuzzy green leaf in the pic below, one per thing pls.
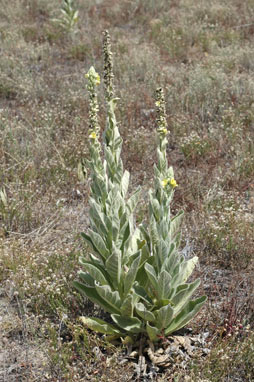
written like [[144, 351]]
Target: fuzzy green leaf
[[155, 238], [186, 315], [86, 278], [144, 233], [144, 313], [89, 241], [187, 268], [99, 325], [111, 297], [152, 332], [92, 294], [164, 284], [97, 261], [99, 244], [133, 200], [150, 271], [130, 324], [127, 306], [131, 275], [154, 206], [182, 296], [124, 233], [125, 183], [131, 243], [172, 259], [113, 266], [164, 316], [95, 273], [175, 224], [163, 251], [97, 218], [141, 292]]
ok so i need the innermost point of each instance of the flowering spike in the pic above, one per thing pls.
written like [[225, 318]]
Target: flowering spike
[[161, 114], [93, 81], [96, 164], [108, 67]]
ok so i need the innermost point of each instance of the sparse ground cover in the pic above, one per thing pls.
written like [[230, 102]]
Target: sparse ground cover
[[201, 52]]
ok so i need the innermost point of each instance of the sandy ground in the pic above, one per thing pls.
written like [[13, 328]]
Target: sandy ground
[[21, 358]]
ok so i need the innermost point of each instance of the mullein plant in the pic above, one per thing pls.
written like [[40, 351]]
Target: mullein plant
[[135, 273], [69, 16]]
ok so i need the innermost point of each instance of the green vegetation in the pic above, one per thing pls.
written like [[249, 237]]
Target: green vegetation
[[135, 273], [201, 54]]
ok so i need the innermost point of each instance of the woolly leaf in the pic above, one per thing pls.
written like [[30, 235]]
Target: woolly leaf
[[99, 325], [175, 223], [86, 278], [164, 284], [144, 313], [112, 298], [130, 324], [186, 315], [127, 306], [131, 275], [99, 244], [133, 200], [150, 271], [181, 297], [187, 269], [152, 332], [113, 266], [95, 273], [125, 182], [92, 294], [164, 316]]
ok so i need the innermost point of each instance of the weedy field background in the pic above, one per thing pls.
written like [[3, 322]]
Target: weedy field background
[[201, 52]]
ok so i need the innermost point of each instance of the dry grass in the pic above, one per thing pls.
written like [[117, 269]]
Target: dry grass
[[201, 52]]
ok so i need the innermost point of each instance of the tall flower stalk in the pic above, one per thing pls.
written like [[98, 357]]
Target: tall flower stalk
[[96, 165], [113, 140], [164, 175], [108, 67]]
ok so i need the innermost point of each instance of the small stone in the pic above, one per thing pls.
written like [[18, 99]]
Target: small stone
[[133, 354]]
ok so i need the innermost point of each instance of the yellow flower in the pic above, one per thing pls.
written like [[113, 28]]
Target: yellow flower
[[158, 103], [164, 182], [93, 135], [173, 183], [97, 79], [167, 181], [162, 130]]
